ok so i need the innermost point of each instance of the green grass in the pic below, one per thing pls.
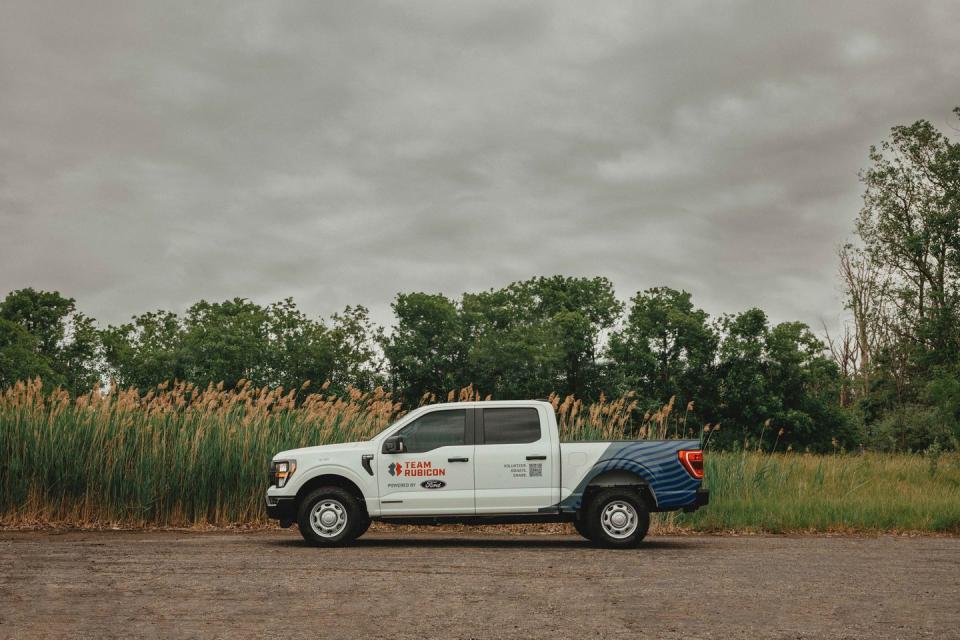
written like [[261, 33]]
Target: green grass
[[868, 492], [183, 456]]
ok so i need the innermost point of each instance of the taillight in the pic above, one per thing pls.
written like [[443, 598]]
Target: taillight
[[692, 461]]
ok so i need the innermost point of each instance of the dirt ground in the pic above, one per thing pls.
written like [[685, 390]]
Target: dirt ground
[[474, 585]]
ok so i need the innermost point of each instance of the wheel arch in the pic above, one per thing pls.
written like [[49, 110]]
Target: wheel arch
[[331, 480], [620, 478]]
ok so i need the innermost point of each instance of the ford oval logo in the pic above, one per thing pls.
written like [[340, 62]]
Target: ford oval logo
[[433, 484]]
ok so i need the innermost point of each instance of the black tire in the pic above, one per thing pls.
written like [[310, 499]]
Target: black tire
[[364, 525], [636, 518], [581, 526], [337, 503]]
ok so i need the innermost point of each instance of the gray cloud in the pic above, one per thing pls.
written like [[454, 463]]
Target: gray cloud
[[153, 154]]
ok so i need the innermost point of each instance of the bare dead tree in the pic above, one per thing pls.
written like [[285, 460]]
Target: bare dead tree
[[846, 354], [866, 287]]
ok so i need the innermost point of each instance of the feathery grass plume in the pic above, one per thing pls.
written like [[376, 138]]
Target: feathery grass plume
[[175, 455]]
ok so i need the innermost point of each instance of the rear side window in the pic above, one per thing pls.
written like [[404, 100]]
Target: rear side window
[[511, 425], [435, 430]]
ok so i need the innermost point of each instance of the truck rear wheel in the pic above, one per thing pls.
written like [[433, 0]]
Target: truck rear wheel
[[330, 517], [617, 518]]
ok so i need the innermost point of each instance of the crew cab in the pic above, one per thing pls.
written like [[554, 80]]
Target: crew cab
[[485, 462]]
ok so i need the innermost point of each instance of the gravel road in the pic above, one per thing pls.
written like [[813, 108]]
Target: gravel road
[[474, 585]]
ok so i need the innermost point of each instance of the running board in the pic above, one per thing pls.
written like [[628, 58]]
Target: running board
[[507, 518]]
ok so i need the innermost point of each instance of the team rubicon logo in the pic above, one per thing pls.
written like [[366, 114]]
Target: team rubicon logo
[[415, 468]]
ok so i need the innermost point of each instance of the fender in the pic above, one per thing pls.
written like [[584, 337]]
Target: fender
[[669, 482], [572, 502], [334, 470]]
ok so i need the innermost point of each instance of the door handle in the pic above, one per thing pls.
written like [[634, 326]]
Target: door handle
[[458, 459], [536, 457]]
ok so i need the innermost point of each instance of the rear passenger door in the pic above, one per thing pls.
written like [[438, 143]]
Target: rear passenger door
[[514, 466]]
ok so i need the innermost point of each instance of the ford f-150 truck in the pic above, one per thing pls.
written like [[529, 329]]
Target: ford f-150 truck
[[484, 463]]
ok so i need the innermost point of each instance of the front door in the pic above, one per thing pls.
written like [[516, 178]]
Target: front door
[[434, 474]]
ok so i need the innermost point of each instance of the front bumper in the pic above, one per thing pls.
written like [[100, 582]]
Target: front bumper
[[282, 508], [702, 499]]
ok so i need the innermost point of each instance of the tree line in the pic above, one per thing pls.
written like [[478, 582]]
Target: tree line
[[565, 335], [899, 356], [889, 380]]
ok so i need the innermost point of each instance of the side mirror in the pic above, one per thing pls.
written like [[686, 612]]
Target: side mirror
[[393, 444]]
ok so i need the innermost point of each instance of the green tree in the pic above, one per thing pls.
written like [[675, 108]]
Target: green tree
[[357, 358], [805, 384], [19, 357], [910, 224], [146, 351], [227, 342], [579, 311], [539, 336], [666, 348], [779, 378], [511, 351], [744, 400], [276, 345], [426, 347], [909, 228], [295, 349], [64, 339]]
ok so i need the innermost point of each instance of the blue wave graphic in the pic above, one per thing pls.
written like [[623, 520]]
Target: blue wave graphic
[[655, 462]]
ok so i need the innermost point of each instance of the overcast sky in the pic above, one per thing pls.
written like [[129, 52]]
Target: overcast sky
[[153, 154]]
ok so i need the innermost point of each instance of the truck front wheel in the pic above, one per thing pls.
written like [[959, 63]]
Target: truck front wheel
[[330, 517], [581, 526], [617, 518]]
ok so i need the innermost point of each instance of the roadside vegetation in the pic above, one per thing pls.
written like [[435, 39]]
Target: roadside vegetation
[[183, 456], [753, 491]]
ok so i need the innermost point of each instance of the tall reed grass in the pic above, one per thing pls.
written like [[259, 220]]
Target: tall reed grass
[[182, 455], [178, 455]]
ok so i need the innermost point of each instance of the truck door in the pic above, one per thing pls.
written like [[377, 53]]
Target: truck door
[[515, 464], [434, 474]]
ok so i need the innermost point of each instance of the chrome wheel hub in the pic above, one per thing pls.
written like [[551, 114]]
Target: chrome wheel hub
[[619, 519], [328, 518]]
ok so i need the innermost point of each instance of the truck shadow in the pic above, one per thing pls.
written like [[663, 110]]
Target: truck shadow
[[564, 542]]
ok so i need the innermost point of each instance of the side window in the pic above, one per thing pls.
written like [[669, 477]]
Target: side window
[[511, 425], [434, 430]]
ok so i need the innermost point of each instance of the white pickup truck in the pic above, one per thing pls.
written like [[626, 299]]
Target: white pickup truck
[[484, 463]]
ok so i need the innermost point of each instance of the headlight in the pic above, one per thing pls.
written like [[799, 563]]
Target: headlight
[[281, 470]]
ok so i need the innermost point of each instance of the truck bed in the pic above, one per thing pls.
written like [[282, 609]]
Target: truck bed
[[656, 461]]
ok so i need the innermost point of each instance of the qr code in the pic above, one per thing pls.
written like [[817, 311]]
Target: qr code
[[536, 469]]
